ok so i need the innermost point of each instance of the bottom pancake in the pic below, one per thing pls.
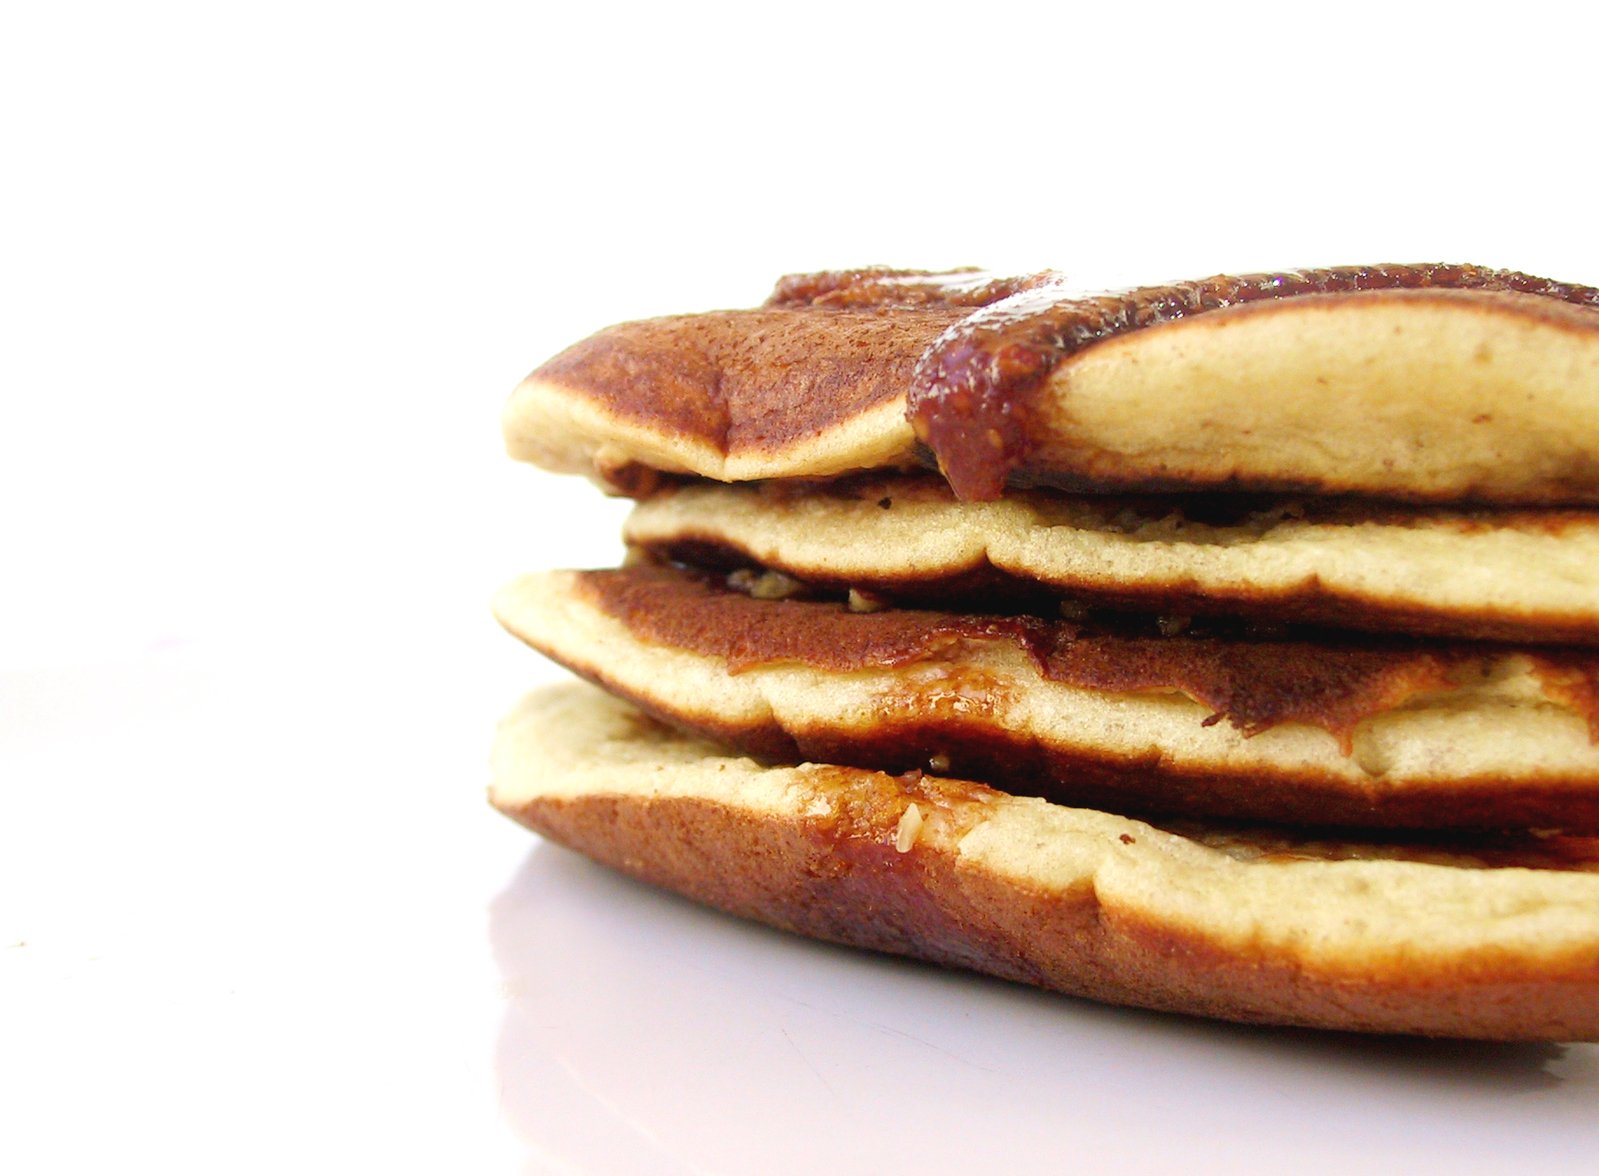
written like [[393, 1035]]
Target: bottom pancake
[[1495, 944]]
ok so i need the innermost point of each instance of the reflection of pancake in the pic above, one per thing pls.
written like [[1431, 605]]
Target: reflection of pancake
[[1418, 939], [1331, 732], [1487, 392], [1513, 575]]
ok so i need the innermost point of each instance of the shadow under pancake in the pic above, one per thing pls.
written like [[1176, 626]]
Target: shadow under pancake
[[645, 1033]]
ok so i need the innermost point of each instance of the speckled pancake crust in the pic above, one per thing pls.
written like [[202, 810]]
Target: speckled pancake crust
[[1428, 736], [1217, 923], [1512, 575]]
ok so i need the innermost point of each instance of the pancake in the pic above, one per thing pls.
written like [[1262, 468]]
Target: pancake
[[1218, 922], [1321, 732], [1511, 575], [1417, 383], [732, 396]]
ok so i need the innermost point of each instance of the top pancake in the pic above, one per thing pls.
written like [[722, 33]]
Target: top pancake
[[1424, 384]]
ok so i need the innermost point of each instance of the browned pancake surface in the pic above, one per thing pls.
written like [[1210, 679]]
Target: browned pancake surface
[[750, 379], [1332, 733], [1331, 683]]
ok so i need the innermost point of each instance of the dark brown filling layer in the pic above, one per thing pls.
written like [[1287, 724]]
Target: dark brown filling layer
[[1332, 682]]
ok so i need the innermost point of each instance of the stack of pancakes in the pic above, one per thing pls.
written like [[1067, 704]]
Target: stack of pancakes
[[1228, 647]]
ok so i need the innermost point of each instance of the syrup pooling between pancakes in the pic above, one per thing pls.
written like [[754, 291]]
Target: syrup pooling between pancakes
[[969, 396]]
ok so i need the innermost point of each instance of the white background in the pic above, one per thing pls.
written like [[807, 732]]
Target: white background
[[267, 273]]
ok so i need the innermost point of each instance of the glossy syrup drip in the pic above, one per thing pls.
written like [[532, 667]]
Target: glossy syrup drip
[[970, 395]]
